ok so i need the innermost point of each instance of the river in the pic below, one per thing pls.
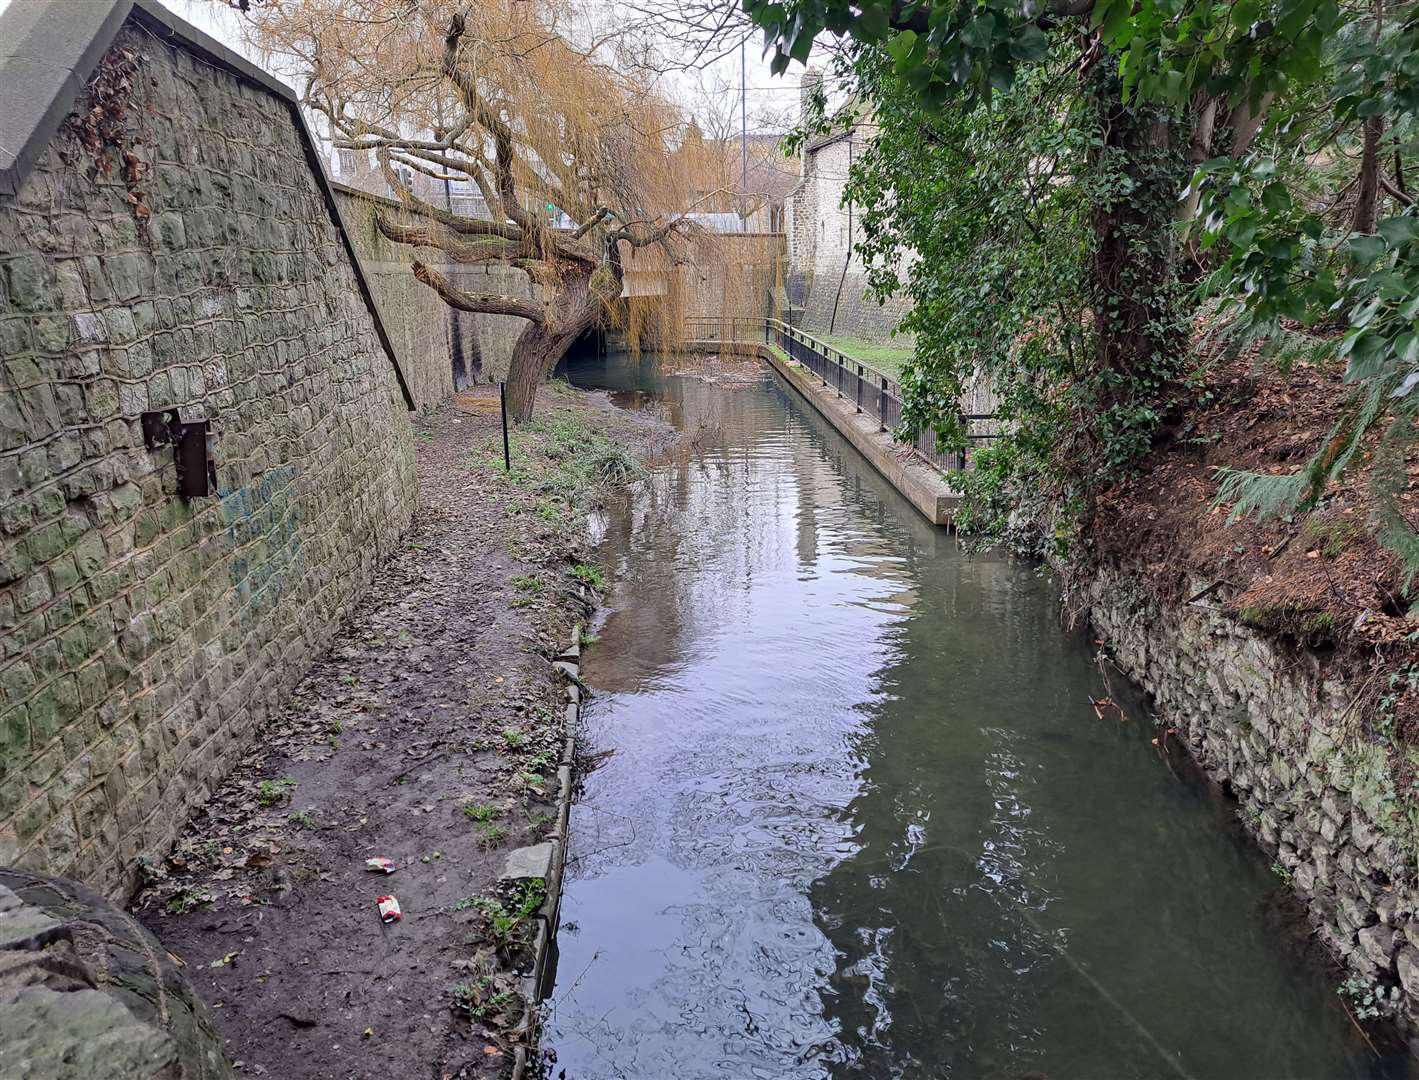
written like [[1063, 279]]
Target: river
[[858, 818]]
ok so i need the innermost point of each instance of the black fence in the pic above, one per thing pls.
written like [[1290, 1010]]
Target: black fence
[[871, 391]]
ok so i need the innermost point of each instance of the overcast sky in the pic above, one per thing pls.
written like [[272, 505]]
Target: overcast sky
[[767, 95]]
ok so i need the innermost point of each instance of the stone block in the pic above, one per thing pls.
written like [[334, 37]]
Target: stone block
[[534, 861], [1406, 964], [1377, 943], [25, 283]]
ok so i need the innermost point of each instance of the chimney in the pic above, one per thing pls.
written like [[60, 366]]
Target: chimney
[[810, 85]]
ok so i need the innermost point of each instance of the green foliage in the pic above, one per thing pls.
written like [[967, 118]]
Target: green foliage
[[1330, 536], [483, 999], [272, 792], [590, 575], [1388, 479], [1285, 108], [1003, 215], [505, 921], [971, 50], [491, 834], [189, 899], [1264, 494], [1272, 495], [1369, 1000]]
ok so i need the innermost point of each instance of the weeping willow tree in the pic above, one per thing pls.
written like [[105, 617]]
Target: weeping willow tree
[[582, 167]]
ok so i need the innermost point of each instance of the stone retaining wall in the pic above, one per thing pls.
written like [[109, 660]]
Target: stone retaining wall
[[1295, 749], [145, 638], [442, 350]]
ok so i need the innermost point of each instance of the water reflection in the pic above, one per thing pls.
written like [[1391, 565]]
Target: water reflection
[[860, 819]]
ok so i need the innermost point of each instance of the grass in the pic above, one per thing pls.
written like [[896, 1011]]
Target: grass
[[491, 834], [590, 575], [273, 792], [560, 457], [505, 921], [481, 812], [302, 819], [1330, 536], [888, 359]]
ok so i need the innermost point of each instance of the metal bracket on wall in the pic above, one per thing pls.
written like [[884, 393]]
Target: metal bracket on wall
[[196, 472]]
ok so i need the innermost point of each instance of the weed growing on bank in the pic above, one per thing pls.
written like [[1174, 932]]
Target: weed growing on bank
[[563, 466]]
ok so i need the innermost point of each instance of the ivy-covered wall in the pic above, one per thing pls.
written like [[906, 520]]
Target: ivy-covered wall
[[182, 257]]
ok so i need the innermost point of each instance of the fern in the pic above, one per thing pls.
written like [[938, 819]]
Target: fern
[[1388, 478], [1233, 333], [1268, 495]]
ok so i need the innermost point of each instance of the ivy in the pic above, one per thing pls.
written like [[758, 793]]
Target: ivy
[[1295, 120], [1025, 232]]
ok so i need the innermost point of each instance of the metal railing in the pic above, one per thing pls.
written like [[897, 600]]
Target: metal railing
[[871, 391], [727, 329]]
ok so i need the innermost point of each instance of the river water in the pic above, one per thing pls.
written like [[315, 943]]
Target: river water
[[858, 817]]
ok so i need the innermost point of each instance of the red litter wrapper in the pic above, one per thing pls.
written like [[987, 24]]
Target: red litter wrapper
[[383, 866], [389, 909]]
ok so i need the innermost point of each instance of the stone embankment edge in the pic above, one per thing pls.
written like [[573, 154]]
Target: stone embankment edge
[[1265, 721], [919, 483], [568, 662]]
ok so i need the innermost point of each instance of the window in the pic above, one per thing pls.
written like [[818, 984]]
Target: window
[[346, 159]]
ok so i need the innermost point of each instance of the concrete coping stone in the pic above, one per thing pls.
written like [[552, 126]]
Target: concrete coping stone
[[533, 861]]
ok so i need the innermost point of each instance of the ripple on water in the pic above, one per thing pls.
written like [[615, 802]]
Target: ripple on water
[[860, 820]]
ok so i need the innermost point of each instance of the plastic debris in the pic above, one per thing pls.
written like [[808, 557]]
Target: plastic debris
[[381, 865], [389, 909]]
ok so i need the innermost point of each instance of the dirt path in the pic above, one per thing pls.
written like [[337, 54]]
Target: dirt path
[[428, 734]]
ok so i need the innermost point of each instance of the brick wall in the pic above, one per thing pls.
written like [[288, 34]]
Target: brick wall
[[438, 348], [146, 639]]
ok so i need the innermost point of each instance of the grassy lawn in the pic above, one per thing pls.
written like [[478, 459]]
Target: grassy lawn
[[887, 359]]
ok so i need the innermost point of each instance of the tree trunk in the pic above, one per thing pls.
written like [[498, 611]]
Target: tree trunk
[[1367, 196], [534, 357], [1133, 264], [541, 345]]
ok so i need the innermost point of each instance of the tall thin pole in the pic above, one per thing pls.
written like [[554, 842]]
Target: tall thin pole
[[743, 134], [502, 398]]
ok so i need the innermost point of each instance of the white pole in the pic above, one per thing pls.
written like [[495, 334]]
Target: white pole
[[743, 136]]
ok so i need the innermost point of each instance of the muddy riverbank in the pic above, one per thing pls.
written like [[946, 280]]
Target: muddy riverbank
[[430, 734]]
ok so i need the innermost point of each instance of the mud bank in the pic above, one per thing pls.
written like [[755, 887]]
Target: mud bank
[[435, 732]]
